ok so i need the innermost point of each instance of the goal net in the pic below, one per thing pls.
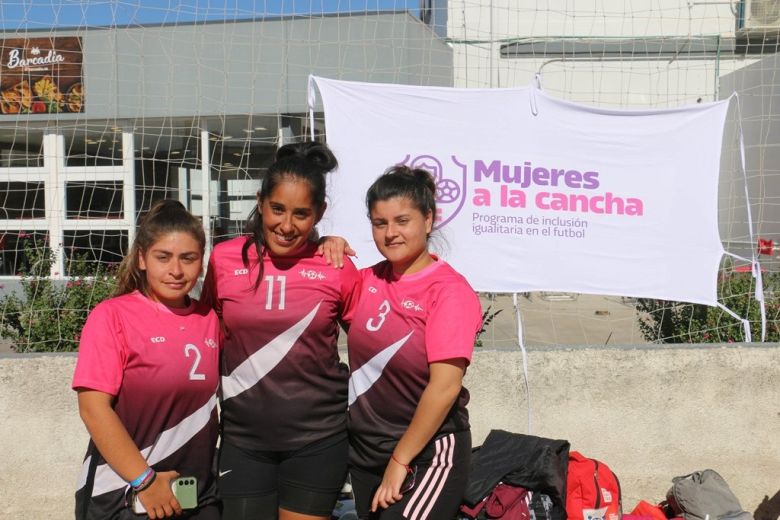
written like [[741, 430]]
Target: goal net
[[108, 106]]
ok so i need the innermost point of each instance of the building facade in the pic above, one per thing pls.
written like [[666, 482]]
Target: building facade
[[97, 123]]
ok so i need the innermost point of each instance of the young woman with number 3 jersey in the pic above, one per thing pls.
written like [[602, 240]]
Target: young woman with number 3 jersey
[[284, 390], [411, 337], [147, 376]]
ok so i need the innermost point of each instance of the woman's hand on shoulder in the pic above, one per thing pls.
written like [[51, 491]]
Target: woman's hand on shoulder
[[158, 498], [334, 249]]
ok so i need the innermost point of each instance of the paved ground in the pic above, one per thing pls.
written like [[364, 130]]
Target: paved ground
[[5, 346], [562, 319]]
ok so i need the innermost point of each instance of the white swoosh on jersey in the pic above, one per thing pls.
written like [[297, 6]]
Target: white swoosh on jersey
[[255, 367], [363, 378], [166, 444]]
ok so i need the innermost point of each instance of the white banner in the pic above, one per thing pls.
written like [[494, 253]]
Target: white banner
[[536, 193]]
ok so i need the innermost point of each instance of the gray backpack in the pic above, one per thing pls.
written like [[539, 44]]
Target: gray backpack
[[704, 495]]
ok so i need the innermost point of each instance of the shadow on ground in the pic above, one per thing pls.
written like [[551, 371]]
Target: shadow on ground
[[769, 508]]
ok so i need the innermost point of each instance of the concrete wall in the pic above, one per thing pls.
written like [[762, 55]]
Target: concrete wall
[[651, 413]]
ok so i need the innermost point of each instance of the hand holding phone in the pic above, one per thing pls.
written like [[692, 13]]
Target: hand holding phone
[[185, 489]]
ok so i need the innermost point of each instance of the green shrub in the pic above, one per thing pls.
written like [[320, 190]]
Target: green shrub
[[49, 315], [663, 321]]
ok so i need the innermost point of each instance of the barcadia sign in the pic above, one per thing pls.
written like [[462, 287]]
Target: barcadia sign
[[41, 75]]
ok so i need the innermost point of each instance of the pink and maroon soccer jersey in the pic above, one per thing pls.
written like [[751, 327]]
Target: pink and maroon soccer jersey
[[283, 385], [162, 365], [400, 326]]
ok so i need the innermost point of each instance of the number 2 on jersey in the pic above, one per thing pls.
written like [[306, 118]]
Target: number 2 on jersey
[[281, 280], [374, 324], [194, 375]]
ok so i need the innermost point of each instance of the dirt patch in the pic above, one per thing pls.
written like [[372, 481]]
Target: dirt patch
[[5, 346]]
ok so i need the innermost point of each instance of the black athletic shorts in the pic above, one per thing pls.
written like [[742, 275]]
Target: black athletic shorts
[[440, 478], [307, 480]]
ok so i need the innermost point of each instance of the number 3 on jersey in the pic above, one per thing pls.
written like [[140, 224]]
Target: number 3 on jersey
[[374, 324]]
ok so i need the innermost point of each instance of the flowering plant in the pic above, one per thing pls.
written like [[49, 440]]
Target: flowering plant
[[48, 315]]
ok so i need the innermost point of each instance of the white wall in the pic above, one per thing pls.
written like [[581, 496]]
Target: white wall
[[651, 413]]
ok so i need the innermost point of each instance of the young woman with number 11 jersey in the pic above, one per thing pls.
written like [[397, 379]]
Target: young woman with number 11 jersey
[[284, 389]]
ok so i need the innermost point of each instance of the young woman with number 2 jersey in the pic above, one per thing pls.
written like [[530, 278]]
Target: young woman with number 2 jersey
[[147, 376], [284, 390], [410, 341]]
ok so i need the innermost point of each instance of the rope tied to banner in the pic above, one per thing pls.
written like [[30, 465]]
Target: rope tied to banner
[[755, 266], [521, 343], [537, 86], [312, 99]]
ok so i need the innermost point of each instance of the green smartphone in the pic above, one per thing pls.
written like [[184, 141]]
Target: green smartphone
[[185, 489]]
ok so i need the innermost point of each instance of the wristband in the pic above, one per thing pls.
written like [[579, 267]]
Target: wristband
[[144, 480], [146, 483], [407, 467], [143, 476]]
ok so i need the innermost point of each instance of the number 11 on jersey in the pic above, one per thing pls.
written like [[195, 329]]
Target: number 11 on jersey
[[281, 281]]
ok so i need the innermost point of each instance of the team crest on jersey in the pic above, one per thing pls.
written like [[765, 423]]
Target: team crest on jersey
[[311, 274], [240, 272], [372, 289], [411, 305], [210, 343]]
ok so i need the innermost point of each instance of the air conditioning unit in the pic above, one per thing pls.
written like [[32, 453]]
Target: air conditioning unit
[[761, 15]]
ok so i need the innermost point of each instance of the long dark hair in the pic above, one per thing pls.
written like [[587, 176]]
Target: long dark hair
[[165, 216], [308, 161], [414, 184]]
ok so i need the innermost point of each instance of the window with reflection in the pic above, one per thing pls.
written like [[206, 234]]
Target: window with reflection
[[93, 146], [22, 200], [21, 148], [15, 249], [105, 246], [93, 199]]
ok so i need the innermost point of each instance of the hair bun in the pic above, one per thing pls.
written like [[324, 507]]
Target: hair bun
[[426, 178], [420, 176], [312, 153]]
